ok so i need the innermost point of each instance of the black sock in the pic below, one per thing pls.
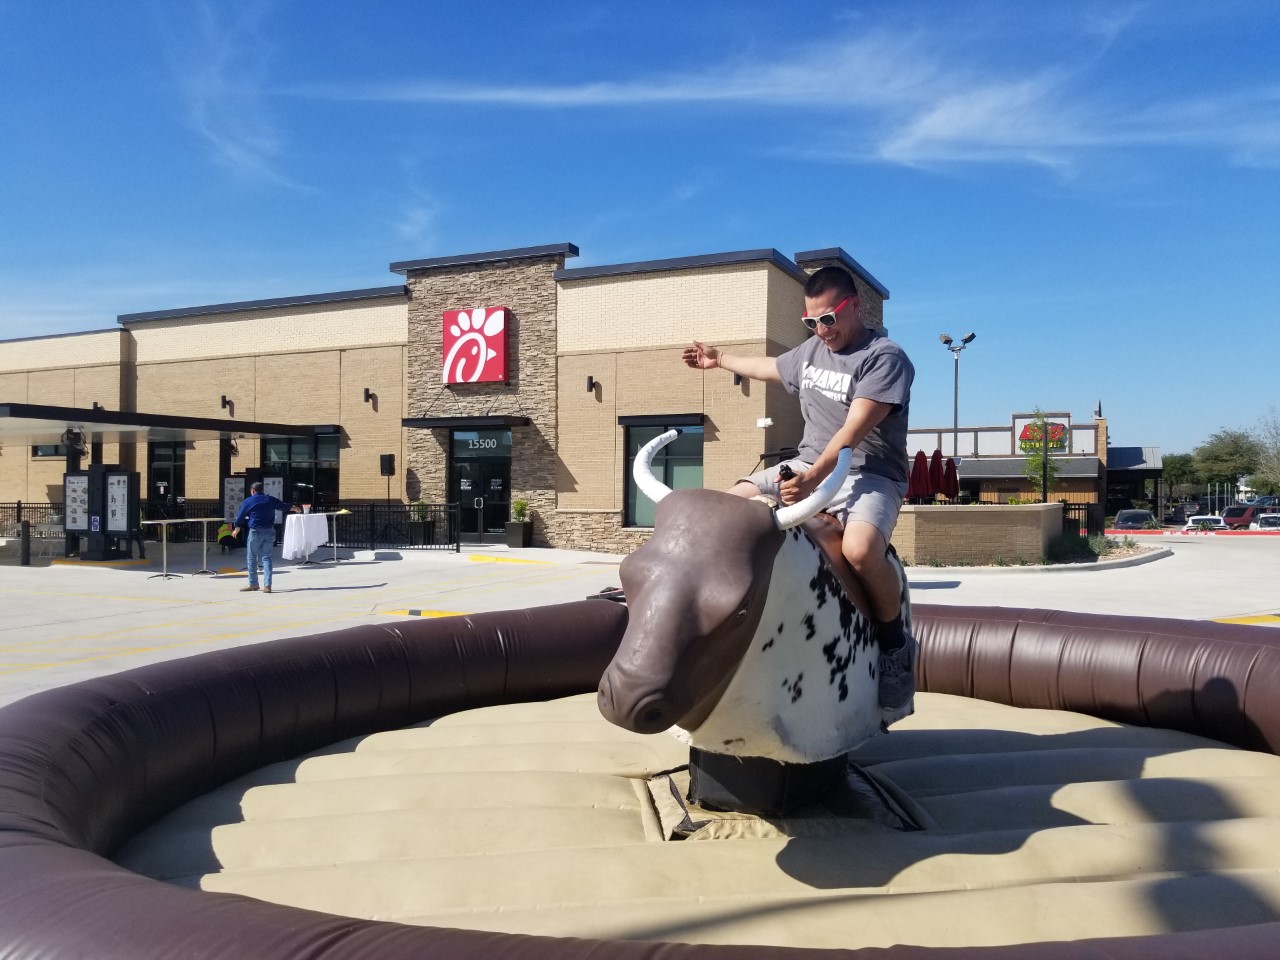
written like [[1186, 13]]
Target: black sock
[[889, 634]]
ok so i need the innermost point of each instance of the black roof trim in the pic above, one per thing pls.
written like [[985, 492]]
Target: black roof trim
[[467, 423], [768, 255], [837, 253], [56, 336], [663, 420], [372, 293], [491, 256]]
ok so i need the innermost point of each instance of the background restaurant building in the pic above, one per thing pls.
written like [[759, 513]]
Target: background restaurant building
[[477, 380]]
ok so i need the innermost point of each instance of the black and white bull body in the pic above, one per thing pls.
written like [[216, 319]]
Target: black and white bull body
[[743, 638]]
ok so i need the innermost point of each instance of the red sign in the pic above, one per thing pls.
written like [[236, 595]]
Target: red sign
[[475, 345], [1030, 439]]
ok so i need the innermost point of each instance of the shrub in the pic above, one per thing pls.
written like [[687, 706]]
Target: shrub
[[520, 510]]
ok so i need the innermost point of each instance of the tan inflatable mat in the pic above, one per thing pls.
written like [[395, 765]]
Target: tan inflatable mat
[[535, 818]]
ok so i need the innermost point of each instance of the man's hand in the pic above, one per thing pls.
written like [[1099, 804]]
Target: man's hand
[[235, 532], [799, 487], [701, 356]]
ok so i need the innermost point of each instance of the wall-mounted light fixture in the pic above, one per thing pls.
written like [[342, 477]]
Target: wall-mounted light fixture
[[225, 402], [737, 379], [591, 384], [369, 395]]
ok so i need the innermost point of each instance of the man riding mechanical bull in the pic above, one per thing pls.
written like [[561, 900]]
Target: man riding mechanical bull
[[720, 574]]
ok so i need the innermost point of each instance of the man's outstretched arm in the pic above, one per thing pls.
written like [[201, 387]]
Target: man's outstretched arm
[[703, 356]]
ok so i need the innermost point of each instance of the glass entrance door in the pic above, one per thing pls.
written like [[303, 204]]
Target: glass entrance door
[[480, 483]]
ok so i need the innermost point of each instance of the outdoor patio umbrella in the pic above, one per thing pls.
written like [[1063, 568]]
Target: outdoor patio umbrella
[[950, 480], [918, 482], [935, 473]]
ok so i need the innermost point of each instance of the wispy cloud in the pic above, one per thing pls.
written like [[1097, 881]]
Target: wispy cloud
[[919, 99], [220, 56]]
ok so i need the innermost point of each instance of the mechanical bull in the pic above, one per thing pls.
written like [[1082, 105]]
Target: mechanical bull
[[746, 636]]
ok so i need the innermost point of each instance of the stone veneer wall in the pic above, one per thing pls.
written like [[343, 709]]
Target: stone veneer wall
[[976, 534], [526, 286]]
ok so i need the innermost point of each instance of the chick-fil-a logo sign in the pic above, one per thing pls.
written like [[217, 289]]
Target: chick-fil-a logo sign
[[475, 345]]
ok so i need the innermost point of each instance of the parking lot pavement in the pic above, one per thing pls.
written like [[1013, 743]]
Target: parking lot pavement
[[68, 621]]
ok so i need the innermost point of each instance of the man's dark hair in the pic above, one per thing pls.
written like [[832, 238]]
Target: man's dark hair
[[255, 487], [828, 279]]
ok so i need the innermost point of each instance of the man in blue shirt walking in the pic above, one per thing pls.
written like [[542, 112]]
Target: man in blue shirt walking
[[259, 511]]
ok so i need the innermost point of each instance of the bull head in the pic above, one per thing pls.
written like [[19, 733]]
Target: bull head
[[695, 591]]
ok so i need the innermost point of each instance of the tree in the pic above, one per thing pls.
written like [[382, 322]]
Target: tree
[[1179, 471], [1227, 456], [1041, 470], [1266, 476]]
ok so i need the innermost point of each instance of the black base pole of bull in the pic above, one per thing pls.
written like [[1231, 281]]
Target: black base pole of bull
[[758, 785]]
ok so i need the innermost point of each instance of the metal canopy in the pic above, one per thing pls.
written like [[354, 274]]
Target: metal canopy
[[31, 423]]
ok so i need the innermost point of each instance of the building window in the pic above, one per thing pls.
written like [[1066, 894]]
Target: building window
[[678, 465], [49, 450], [309, 467], [167, 470]]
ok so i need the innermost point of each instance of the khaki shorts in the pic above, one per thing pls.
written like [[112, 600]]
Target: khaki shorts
[[866, 497]]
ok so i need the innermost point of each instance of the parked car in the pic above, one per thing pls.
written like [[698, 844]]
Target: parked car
[[1205, 523], [1134, 520], [1266, 521], [1238, 516], [1269, 500]]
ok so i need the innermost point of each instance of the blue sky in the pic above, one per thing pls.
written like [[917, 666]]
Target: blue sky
[[1092, 187]]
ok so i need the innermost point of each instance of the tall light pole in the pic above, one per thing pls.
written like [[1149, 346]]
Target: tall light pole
[[955, 349]]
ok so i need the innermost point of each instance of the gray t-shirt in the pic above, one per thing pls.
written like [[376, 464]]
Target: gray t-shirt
[[878, 369]]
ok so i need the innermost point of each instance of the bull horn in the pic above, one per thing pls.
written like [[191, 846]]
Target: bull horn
[[642, 469], [817, 501]]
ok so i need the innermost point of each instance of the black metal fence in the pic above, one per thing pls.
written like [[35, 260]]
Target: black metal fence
[[368, 526], [1086, 518], [12, 514], [417, 526]]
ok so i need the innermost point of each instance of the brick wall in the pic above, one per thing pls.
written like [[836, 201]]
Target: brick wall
[[667, 308], [976, 534], [89, 349], [263, 332]]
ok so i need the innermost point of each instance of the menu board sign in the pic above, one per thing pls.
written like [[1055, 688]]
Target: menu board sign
[[274, 487], [75, 497], [232, 497], [117, 503]]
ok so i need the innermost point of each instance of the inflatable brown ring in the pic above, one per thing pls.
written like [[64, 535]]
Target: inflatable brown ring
[[83, 767]]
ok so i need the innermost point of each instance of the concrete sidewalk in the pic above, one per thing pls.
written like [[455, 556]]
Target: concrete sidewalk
[[65, 621]]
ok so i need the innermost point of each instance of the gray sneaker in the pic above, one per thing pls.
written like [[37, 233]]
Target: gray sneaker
[[898, 675]]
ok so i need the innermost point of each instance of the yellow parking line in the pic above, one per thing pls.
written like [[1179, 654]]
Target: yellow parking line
[[1260, 618], [424, 613], [485, 558]]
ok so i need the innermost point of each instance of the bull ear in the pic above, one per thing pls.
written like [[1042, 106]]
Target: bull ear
[[642, 469], [817, 501]]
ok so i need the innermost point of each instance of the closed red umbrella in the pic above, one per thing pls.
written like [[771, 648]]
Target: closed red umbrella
[[935, 473], [950, 480], [918, 482]]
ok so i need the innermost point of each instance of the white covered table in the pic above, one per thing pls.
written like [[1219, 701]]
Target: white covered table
[[303, 532]]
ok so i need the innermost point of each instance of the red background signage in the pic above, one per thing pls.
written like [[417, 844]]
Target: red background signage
[[475, 345], [1030, 439]]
